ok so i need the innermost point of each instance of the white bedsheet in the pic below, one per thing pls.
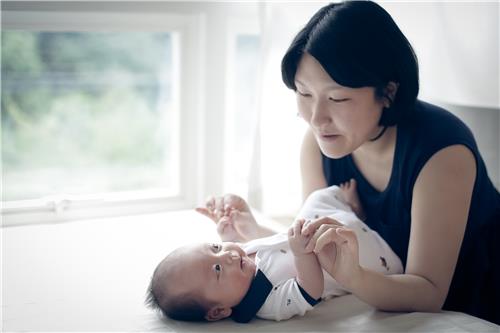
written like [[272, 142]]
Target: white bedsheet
[[92, 276]]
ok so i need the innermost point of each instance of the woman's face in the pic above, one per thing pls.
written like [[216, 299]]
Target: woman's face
[[342, 118]]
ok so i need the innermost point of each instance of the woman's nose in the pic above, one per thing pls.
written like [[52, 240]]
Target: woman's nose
[[319, 114]]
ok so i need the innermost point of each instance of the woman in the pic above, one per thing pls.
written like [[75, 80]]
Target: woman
[[420, 177]]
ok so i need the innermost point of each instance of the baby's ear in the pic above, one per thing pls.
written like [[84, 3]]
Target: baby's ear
[[218, 313]]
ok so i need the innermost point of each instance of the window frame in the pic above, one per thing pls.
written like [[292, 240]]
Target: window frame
[[235, 27], [189, 29]]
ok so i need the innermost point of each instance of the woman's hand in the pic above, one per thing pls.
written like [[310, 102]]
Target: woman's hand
[[336, 248], [233, 217]]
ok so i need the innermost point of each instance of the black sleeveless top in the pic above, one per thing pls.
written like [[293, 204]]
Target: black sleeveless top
[[475, 287]]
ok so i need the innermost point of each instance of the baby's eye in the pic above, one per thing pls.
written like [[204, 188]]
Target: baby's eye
[[216, 247], [218, 269]]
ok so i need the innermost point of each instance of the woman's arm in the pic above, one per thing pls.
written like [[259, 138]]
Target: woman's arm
[[440, 208], [311, 167]]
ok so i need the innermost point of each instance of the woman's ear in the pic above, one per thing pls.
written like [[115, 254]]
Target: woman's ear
[[390, 93], [217, 313]]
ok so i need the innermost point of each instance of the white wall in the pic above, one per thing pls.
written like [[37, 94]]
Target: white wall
[[485, 125], [457, 45]]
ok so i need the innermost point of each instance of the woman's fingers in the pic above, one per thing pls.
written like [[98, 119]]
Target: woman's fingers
[[317, 233], [328, 237], [317, 227], [339, 236], [324, 235], [315, 224], [348, 236]]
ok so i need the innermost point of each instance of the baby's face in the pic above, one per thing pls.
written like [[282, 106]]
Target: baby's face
[[218, 272]]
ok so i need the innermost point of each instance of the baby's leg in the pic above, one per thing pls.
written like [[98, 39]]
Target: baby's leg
[[349, 190]]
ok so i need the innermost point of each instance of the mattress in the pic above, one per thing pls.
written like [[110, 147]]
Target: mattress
[[92, 275]]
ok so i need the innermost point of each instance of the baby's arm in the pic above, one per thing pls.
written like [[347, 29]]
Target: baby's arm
[[309, 271]]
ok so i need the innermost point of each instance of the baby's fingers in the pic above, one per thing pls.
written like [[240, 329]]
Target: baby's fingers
[[234, 214], [223, 223], [297, 226], [210, 203], [219, 208], [205, 212]]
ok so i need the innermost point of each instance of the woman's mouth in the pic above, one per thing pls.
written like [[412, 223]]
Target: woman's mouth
[[329, 137]]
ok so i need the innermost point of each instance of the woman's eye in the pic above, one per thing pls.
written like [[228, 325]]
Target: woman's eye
[[303, 94], [338, 100]]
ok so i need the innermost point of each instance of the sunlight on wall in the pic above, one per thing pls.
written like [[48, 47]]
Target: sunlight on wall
[[457, 44], [281, 130]]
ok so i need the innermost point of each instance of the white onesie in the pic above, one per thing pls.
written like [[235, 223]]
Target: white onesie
[[275, 294]]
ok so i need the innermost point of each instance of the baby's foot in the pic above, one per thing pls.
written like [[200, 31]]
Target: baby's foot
[[349, 190]]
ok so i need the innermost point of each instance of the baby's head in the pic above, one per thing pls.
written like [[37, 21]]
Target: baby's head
[[201, 282]]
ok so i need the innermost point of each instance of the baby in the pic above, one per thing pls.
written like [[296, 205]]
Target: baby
[[271, 278]]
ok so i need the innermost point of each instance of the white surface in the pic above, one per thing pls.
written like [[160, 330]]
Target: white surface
[[92, 276]]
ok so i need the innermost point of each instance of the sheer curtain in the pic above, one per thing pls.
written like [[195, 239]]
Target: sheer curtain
[[457, 45], [275, 186]]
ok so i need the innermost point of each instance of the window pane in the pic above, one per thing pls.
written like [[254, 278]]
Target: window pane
[[87, 112], [242, 113]]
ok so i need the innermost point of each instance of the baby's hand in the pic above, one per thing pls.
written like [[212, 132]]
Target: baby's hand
[[297, 240], [233, 217]]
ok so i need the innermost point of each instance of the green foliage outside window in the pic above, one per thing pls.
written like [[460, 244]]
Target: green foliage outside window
[[84, 112]]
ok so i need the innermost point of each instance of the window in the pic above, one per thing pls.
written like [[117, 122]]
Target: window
[[88, 112], [93, 107], [241, 106]]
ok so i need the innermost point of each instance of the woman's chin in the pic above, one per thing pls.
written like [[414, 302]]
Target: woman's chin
[[333, 151]]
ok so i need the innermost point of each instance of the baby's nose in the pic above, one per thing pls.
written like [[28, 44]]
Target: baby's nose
[[232, 256]]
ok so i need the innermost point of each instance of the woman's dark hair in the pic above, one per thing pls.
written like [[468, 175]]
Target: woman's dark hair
[[359, 45]]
